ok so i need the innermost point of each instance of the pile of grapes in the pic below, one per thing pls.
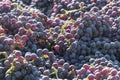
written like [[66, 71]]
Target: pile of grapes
[[60, 39]]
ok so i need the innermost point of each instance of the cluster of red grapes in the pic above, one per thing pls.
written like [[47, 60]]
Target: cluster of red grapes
[[60, 39]]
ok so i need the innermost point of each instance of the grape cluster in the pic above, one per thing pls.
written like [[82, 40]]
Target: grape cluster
[[60, 39], [99, 68]]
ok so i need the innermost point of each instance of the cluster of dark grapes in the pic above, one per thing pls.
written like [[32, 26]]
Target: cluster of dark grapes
[[99, 69], [44, 6], [60, 39]]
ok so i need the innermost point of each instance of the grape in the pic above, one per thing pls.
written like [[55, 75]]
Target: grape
[[106, 46], [46, 72], [89, 31], [1, 76], [8, 77], [17, 65], [92, 69], [45, 78], [31, 77], [37, 73], [66, 65], [42, 69], [23, 71], [33, 56], [39, 62], [7, 63], [55, 65], [28, 77], [91, 77], [61, 62], [17, 53], [81, 57], [47, 65], [57, 47], [1, 46], [18, 74], [113, 72], [86, 66], [39, 51], [28, 56]]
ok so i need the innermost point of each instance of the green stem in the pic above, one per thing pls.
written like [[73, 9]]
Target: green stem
[[2, 59]]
